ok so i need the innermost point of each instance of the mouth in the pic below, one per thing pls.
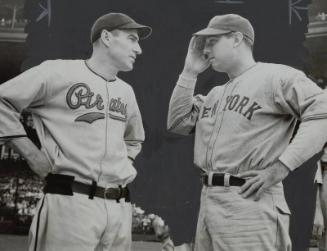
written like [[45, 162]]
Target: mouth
[[133, 58], [211, 60]]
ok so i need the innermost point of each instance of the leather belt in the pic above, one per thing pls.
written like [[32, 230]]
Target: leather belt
[[222, 179], [65, 185], [110, 193]]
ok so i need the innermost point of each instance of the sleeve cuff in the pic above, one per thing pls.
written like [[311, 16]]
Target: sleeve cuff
[[287, 162]]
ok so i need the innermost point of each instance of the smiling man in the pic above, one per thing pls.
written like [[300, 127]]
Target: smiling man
[[90, 130], [242, 136]]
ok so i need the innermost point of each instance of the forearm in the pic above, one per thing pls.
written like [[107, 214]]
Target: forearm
[[181, 104], [309, 140], [35, 158], [318, 199]]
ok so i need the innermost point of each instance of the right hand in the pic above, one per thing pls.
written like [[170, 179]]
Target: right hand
[[195, 62]]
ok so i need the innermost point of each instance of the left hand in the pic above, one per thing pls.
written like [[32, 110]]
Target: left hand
[[318, 225], [260, 180], [318, 220]]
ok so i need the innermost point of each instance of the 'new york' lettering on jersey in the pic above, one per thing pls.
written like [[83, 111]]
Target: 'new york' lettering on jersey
[[235, 103]]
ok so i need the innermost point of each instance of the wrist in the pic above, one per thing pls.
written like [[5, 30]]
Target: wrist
[[189, 74], [282, 166]]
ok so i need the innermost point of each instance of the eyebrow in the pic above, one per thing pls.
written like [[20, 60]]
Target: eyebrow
[[209, 39], [134, 36], [218, 36]]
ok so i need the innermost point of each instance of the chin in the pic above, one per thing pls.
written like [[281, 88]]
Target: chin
[[127, 68], [217, 68]]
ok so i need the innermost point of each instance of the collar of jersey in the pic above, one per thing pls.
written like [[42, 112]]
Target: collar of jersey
[[88, 67]]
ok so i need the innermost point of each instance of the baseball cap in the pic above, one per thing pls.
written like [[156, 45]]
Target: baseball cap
[[223, 24], [113, 21]]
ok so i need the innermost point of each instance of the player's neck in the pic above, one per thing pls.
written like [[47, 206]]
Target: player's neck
[[102, 67], [241, 65]]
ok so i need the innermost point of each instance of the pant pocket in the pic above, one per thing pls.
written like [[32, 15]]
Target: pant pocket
[[283, 241]]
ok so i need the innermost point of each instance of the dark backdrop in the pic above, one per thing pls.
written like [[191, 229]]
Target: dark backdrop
[[167, 183]]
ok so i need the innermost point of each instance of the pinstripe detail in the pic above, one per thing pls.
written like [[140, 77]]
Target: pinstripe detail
[[180, 120], [38, 224]]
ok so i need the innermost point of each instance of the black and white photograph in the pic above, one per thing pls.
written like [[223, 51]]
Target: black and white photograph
[[189, 125]]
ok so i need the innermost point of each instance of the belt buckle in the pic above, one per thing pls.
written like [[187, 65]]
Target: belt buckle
[[227, 180], [109, 190], [110, 193], [106, 192]]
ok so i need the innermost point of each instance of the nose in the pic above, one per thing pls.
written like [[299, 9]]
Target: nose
[[137, 49]]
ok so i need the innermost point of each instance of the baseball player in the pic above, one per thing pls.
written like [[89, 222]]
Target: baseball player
[[90, 130], [319, 231], [242, 136]]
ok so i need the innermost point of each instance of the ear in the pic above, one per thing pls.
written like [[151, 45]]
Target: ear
[[106, 37], [238, 38]]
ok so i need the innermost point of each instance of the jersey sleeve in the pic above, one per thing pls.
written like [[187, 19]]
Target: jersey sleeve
[[298, 96], [134, 133], [27, 90], [184, 107]]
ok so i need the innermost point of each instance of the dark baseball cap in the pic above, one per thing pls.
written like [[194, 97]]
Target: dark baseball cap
[[223, 24], [113, 21]]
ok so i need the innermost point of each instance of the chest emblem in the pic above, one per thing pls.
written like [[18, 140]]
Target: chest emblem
[[236, 103], [80, 95]]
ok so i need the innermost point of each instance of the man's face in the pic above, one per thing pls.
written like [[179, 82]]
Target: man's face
[[219, 50], [124, 48]]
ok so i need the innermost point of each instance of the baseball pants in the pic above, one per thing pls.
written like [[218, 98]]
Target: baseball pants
[[228, 222], [77, 223]]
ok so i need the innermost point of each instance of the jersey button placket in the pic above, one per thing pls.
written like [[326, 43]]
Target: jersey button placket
[[106, 115], [217, 125]]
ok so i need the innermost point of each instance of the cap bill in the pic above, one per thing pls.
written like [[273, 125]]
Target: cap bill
[[210, 32], [143, 30]]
